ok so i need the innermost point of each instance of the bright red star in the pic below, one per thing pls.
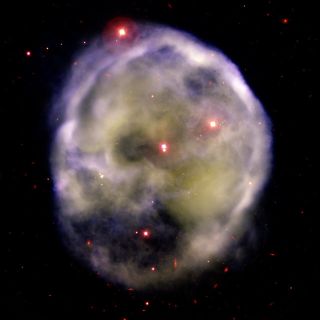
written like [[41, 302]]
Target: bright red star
[[284, 20], [122, 32], [213, 124], [146, 233], [28, 53], [164, 147]]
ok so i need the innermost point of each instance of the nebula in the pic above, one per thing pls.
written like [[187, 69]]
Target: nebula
[[160, 153]]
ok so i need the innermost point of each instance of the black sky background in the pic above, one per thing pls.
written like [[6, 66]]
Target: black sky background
[[278, 59]]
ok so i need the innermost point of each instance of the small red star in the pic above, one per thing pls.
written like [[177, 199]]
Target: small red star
[[146, 234], [89, 243], [175, 263]]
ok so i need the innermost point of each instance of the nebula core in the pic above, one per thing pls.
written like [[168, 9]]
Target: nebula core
[[161, 152]]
